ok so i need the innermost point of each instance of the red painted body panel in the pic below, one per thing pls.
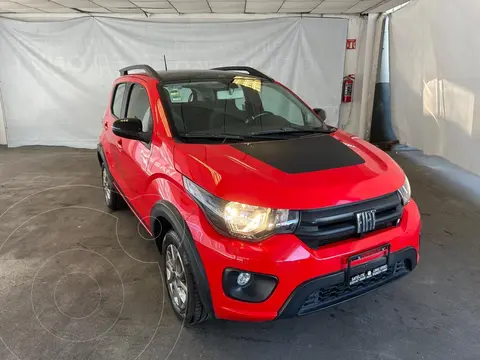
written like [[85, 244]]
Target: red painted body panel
[[233, 175], [149, 174], [286, 257]]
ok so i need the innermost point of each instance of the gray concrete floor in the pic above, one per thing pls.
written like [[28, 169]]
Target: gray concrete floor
[[112, 306]]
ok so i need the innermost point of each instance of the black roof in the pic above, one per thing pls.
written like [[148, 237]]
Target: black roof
[[227, 73], [188, 75]]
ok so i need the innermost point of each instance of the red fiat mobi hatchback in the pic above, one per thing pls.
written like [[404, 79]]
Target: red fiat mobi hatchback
[[260, 210]]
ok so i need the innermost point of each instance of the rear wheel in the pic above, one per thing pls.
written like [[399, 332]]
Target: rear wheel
[[113, 200], [180, 282]]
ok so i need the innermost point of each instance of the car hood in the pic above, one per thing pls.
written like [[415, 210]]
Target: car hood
[[300, 173]]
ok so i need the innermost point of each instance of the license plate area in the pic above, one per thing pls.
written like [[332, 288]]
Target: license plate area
[[364, 266]]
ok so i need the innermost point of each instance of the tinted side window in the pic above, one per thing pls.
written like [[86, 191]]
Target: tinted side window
[[139, 106], [117, 100]]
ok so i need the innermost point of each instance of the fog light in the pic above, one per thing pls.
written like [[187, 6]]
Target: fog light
[[246, 286], [243, 278]]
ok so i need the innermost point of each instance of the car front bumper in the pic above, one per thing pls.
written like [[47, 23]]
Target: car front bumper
[[308, 279], [332, 289]]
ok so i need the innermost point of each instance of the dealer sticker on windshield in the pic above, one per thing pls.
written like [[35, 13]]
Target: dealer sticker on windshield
[[368, 274]]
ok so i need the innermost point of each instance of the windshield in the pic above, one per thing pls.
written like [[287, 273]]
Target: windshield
[[239, 107]]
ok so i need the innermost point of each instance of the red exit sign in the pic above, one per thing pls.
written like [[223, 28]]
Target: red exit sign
[[351, 44]]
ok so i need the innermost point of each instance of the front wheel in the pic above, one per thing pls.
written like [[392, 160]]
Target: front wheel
[[180, 282]]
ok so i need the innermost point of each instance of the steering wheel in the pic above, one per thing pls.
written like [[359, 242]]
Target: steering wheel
[[253, 117]]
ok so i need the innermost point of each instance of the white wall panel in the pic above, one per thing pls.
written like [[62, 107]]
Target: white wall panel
[[435, 83], [3, 134], [56, 76]]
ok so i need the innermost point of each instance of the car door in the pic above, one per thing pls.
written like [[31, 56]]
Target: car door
[[133, 154], [116, 111]]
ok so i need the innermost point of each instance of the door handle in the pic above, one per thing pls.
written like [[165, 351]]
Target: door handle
[[119, 144], [105, 126]]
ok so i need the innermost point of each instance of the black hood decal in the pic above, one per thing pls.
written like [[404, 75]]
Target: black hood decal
[[299, 155]]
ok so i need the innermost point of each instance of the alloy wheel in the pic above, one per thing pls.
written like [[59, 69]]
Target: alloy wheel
[[106, 186], [176, 279]]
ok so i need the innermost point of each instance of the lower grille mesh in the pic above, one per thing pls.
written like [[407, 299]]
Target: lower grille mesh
[[334, 294]]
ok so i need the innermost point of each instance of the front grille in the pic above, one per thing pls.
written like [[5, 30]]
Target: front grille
[[323, 226], [334, 294]]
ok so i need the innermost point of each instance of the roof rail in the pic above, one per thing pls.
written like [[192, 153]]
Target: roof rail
[[148, 70], [248, 69]]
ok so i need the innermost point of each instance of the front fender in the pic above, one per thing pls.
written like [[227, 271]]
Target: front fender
[[166, 210]]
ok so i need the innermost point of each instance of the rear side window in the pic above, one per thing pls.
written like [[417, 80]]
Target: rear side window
[[139, 106], [118, 99]]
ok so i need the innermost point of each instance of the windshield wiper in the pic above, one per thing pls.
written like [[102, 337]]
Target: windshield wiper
[[226, 136], [292, 131], [213, 136], [275, 134]]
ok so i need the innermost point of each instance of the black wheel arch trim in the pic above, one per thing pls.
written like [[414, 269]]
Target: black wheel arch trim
[[168, 211], [101, 154]]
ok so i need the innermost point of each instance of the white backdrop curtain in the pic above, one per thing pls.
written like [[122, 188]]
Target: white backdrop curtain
[[56, 76], [434, 54]]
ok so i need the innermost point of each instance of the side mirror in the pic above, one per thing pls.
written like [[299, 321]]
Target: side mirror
[[321, 113], [130, 128]]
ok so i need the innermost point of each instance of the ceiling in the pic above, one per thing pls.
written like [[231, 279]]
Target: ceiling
[[198, 6]]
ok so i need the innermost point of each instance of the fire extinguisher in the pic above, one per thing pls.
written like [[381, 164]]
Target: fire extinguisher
[[347, 88]]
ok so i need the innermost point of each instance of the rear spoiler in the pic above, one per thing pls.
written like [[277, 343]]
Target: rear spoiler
[[146, 69]]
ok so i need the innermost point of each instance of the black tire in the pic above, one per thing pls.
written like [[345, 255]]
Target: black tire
[[194, 311], [113, 199]]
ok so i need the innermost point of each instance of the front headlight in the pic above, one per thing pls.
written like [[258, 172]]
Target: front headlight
[[405, 192], [239, 220]]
